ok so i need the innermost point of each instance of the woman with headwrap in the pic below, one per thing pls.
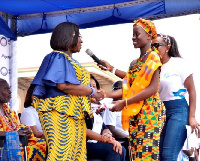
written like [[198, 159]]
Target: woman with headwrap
[[176, 79], [143, 113]]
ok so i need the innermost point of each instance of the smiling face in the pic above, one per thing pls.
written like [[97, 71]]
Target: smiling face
[[140, 37], [5, 93]]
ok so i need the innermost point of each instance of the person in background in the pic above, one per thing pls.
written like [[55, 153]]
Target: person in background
[[190, 150], [175, 81], [36, 149], [101, 144], [143, 113], [62, 96], [113, 119], [29, 115]]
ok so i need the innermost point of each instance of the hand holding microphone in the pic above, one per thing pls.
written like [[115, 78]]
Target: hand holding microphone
[[91, 54]]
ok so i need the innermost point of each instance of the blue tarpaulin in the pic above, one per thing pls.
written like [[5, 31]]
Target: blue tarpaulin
[[41, 16], [5, 30]]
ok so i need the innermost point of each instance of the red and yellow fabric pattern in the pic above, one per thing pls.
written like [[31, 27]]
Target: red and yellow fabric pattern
[[131, 86], [146, 119], [36, 149]]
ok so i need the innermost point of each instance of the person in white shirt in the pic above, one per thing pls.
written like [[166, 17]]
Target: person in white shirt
[[176, 79], [29, 115], [101, 144], [113, 119]]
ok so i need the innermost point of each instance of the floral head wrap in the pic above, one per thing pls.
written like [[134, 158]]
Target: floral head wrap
[[165, 38], [148, 26]]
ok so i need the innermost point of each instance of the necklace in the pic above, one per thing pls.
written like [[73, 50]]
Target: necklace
[[7, 119], [148, 51], [143, 55], [140, 59]]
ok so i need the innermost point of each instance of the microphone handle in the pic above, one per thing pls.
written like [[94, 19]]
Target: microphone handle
[[98, 61]]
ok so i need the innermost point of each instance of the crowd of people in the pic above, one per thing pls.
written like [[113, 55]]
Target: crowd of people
[[145, 121]]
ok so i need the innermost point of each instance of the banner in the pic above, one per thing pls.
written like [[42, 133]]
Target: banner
[[8, 68], [5, 58]]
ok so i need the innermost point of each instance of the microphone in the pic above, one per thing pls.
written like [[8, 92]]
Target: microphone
[[91, 54]]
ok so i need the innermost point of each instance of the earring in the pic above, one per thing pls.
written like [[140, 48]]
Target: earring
[[166, 51]]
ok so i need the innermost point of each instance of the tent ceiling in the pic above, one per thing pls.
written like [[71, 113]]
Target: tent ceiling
[[28, 17]]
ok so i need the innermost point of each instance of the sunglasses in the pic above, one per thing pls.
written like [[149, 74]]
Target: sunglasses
[[116, 88], [156, 45]]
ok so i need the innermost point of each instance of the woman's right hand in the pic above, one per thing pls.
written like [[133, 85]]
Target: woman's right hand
[[108, 66], [98, 95], [106, 138], [26, 131]]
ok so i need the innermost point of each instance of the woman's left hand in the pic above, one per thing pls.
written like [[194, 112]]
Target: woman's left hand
[[117, 147], [119, 105], [107, 137], [193, 123], [26, 131]]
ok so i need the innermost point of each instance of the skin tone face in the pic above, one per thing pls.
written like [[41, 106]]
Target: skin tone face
[[140, 37], [93, 83], [162, 50], [5, 93], [77, 48]]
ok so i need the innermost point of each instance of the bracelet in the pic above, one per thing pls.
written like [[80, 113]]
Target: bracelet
[[93, 91], [114, 70]]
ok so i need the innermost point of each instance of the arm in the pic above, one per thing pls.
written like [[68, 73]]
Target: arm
[[100, 138], [81, 90], [37, 133], [121, 74], [189, 152], [197, 154], [26, 131], [106, 132], [144, 94], [189, 84], [95, 136], [116, 133], [75, 89], [114, 94]]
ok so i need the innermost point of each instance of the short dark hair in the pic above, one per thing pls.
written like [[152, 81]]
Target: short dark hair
[[64, 35], [117, 85], [28, 98], [96, 81]]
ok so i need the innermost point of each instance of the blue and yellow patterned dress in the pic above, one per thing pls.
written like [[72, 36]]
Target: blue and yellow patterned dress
[[62, 115]]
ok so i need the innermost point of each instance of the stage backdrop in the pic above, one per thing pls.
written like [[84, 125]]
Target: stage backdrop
[[8, 68]]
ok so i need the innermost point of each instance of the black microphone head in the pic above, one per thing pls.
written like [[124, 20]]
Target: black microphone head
[[89, 52]]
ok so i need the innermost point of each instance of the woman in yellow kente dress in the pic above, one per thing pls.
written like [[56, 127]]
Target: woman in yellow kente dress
[[36, 149], [62, 96], [143, 113]]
